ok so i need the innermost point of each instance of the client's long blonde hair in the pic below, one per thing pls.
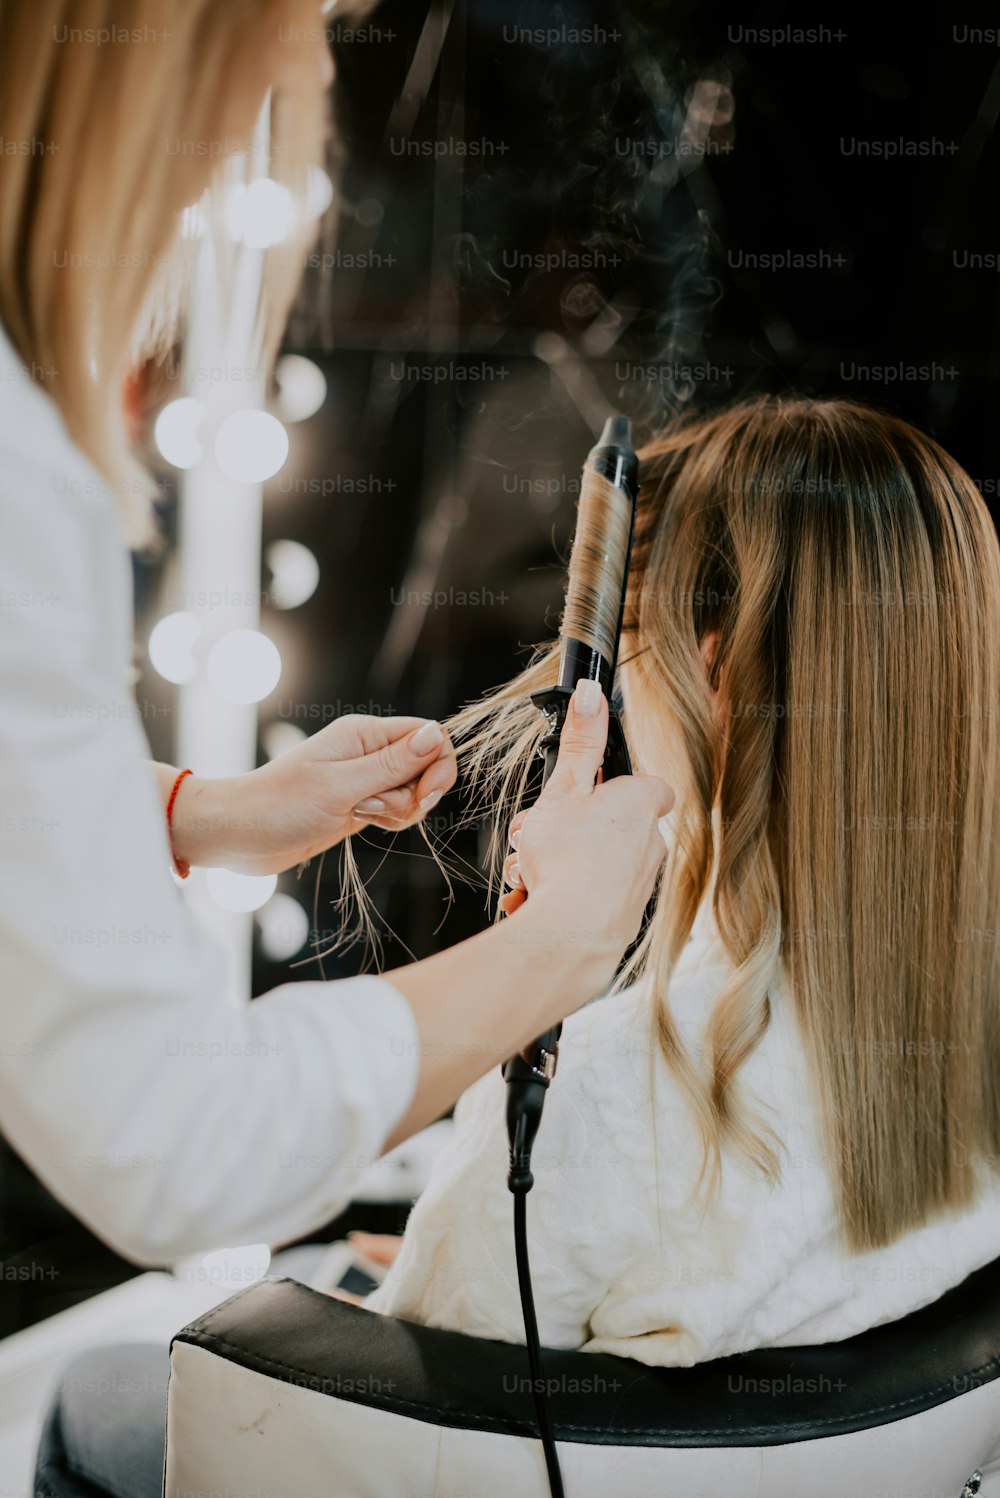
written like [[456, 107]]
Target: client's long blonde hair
[[114, 117], [850, 574]]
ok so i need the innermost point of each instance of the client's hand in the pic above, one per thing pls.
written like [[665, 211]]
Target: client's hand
[[383, 1248], [380, 1248], [359, 770]]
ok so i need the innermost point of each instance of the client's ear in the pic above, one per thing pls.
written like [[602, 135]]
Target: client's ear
[[720, 697], [708, 647]]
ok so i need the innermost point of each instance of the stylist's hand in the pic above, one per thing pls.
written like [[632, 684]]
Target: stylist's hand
[[593, 850], [356, 772]]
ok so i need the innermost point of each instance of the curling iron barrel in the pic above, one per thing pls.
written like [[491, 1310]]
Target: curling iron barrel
[[595, 593], [595, 596]]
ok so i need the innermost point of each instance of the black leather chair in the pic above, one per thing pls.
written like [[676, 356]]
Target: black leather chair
[[285, 1392]]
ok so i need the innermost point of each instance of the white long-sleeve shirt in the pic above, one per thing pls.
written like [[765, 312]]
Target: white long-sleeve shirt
[[166, 1119], [621, 1260]]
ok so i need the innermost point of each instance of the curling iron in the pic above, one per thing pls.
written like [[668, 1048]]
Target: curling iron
[[590, 633]]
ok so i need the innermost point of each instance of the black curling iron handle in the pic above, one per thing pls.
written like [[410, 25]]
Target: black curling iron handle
[[534, 1067]]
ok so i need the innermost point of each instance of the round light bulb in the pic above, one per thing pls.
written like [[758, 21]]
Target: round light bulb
[[250, 446], [176, 432], [319, 192], [279, 737], [244, 666], [294, 573], [171, 647], [239, 892], [284, 927], [260, 213], [301, 387]]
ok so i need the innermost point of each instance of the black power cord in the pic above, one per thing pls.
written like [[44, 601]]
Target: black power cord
[[528, 1076], [534, 1349]]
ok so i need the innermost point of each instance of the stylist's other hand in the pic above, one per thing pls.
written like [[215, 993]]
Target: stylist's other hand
[[592, 851], [357, 772]]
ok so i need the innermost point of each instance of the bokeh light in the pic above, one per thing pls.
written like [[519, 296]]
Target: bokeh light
[[250, 446], [239, 892], [171, 647], [284, 927], [319, 192], [260, 213], [176, 432], [244, 666], [294, 573], [281, 736], [301, 387]]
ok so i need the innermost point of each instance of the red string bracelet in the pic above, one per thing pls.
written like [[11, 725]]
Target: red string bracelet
[[180, 864]]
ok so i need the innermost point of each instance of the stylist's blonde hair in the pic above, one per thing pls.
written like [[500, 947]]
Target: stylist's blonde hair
[[114, 114], [847, 572]]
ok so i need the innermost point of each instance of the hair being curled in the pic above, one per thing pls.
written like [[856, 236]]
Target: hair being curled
[[812, 657]]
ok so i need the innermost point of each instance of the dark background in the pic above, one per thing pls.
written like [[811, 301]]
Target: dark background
[[607, 248], [530, 233]]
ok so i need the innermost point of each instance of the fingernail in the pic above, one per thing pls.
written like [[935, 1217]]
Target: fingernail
[[431, 799], [514, 872], [587, 697], [515, 838], [427, 738], [372, 804]]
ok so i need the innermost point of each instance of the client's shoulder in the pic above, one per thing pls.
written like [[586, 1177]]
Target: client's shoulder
[[620, 1029], [608, 1033], [613, 1064]]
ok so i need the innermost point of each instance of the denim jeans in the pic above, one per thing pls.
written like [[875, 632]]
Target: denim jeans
[[105, 1433], [106, 1430]]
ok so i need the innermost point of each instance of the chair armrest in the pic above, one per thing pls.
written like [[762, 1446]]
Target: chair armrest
[[294, 1335]]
